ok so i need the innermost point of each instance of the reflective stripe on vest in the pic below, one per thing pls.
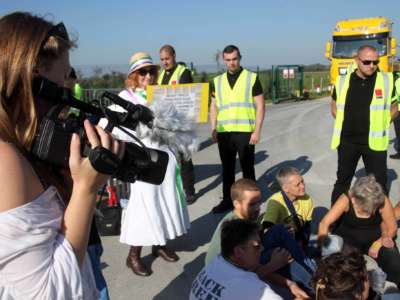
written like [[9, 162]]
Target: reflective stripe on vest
[[236, 107], [378, 137], [176, 76]]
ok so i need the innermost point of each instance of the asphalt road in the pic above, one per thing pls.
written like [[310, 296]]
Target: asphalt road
[[296, 134]]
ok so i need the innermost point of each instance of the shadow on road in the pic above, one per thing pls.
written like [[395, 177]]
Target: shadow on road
[[391, 177], [179, 288], [209, 170], [204, 144], [200, 233]]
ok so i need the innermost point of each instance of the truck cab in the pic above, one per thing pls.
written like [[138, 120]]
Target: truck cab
[[349, 35]]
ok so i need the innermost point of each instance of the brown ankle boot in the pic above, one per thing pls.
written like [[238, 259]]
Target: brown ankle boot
[[165, 253], [134, 262]]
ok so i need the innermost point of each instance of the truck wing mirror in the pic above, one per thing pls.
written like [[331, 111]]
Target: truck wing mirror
[[393, 47], [328, 49]]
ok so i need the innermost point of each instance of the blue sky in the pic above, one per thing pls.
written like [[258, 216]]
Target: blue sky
[[267, 32]]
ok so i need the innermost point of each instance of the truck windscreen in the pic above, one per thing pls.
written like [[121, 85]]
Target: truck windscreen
[[347, 46]]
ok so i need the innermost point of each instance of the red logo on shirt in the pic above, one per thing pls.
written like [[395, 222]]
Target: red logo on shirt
[[173, 82], [378, 94]]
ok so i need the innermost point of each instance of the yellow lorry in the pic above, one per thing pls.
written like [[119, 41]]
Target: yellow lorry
[[351, 34]]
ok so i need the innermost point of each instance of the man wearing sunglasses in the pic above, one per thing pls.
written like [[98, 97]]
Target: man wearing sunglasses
[[363, 104], [174, 73]]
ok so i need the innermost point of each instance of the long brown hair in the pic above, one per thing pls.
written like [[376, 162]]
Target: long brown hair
[[26, 43]]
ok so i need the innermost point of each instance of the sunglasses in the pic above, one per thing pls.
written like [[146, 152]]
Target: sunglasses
[[145, 71], [368, 62]]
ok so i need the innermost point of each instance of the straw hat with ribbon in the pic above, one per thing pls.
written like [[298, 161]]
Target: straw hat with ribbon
[[140, 60]]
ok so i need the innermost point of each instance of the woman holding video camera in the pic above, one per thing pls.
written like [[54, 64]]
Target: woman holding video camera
[[155, 213], [45, 212]]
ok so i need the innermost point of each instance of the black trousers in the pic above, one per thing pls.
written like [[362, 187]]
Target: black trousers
[[348, 156], [187, 173], [229, 145]]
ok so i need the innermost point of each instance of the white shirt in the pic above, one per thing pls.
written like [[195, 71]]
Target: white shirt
[[223, 281], [36, 261]]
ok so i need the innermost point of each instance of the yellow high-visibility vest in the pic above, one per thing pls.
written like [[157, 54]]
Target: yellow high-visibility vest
[[236, 110], [176, 76], [379, 110]]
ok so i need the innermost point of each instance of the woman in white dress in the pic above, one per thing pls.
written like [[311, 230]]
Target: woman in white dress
[[45, 212], [155, 213]]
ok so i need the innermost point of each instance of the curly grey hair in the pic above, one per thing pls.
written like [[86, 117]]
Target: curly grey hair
[[170, 128], [368, 193]]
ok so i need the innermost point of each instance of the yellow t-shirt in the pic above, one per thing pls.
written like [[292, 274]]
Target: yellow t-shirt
[[278, 213]]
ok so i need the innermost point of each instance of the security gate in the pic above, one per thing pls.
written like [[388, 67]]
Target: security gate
[[287, 82]]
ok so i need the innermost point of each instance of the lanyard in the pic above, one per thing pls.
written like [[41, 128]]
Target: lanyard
[[292, 210]]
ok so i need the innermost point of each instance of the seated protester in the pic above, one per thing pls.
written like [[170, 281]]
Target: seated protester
[[290, 206], [367, 223], [342, 276], [231, 275], [279, 245]]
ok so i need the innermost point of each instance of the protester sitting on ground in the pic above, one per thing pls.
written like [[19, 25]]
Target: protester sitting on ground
[[279, 245], [155, 213], [231, 275], [367, 223], [45, 211], [342, 276], [290, 206]]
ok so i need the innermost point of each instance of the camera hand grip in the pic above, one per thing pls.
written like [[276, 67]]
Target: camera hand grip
[[104, 161]]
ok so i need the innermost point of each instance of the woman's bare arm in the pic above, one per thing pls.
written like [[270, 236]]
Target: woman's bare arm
[[340, 206]]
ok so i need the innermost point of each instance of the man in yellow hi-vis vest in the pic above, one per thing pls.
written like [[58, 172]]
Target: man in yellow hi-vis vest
[[236, 115], [174, 73], [363, 105]]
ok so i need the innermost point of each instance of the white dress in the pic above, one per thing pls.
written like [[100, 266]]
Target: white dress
[[36, 261], [155, 213]]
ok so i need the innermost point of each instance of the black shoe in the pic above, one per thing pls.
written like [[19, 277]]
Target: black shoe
[[223, 206], [190, 199], [395, 156]]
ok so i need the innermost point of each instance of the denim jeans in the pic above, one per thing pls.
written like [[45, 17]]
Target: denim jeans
[[95, 252], [302, 268]]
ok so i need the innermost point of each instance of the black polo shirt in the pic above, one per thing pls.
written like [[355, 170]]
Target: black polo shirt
[[186, 76], [232, 78], [359, 96]]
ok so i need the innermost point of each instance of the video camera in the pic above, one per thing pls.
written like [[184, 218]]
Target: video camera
[[52, 142]]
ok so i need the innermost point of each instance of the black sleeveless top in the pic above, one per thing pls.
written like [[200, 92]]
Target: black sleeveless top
[[359, 232]]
